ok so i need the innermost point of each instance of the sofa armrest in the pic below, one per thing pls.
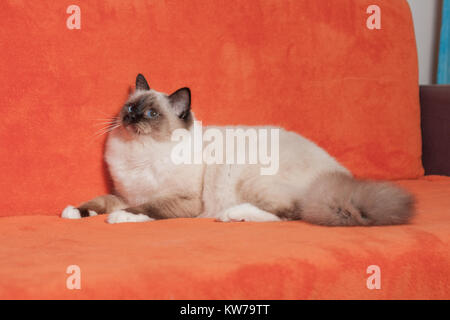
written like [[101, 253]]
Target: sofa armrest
[[435, 116]]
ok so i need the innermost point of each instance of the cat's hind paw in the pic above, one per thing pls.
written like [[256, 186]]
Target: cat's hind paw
[[122, 216], [70, 212]]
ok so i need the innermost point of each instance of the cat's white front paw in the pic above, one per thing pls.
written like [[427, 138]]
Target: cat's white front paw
[[246, 212], [121, 216], [70, 212]]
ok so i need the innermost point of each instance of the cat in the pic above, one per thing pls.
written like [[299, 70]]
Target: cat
[[310, 185]]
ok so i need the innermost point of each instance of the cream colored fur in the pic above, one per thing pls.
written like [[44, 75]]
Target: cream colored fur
[[309, 185], [142, 168]]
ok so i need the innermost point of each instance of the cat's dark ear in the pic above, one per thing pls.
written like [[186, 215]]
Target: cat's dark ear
[[141, 83], [181, 102]]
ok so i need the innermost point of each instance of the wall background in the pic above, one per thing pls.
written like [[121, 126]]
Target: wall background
[[427, 18]]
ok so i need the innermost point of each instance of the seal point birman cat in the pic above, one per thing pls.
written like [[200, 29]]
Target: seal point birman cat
[[309, 184]]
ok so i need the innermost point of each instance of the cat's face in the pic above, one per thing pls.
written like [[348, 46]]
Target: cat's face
[[151, 113]]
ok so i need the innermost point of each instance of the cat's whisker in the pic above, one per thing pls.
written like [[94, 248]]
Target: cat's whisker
[[107, 120], [100, 134], [103, 118], [106, 123], [107, 129], [103, 114]]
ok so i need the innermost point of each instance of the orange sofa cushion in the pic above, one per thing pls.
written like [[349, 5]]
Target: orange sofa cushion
[[195, 259], [310, 66]]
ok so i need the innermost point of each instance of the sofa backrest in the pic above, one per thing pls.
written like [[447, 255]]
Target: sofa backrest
[[310, 66]]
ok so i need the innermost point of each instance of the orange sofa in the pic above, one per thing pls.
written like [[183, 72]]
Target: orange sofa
[[310, 66]]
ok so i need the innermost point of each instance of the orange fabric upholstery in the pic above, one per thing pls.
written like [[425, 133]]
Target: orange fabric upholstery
[[310, 66], [203, 259]]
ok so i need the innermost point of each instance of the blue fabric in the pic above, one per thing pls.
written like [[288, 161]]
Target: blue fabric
[[443, 76]]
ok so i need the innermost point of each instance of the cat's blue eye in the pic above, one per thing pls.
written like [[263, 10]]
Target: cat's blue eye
[[130, 108], [151, 114]]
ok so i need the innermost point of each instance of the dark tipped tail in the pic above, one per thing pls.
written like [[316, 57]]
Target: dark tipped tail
[[337, 199]]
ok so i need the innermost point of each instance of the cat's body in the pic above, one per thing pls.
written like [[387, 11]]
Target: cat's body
[[142, 169], [300, 161], [309, 183]]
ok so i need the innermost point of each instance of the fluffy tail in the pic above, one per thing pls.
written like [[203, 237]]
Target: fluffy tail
[[336, 199]]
